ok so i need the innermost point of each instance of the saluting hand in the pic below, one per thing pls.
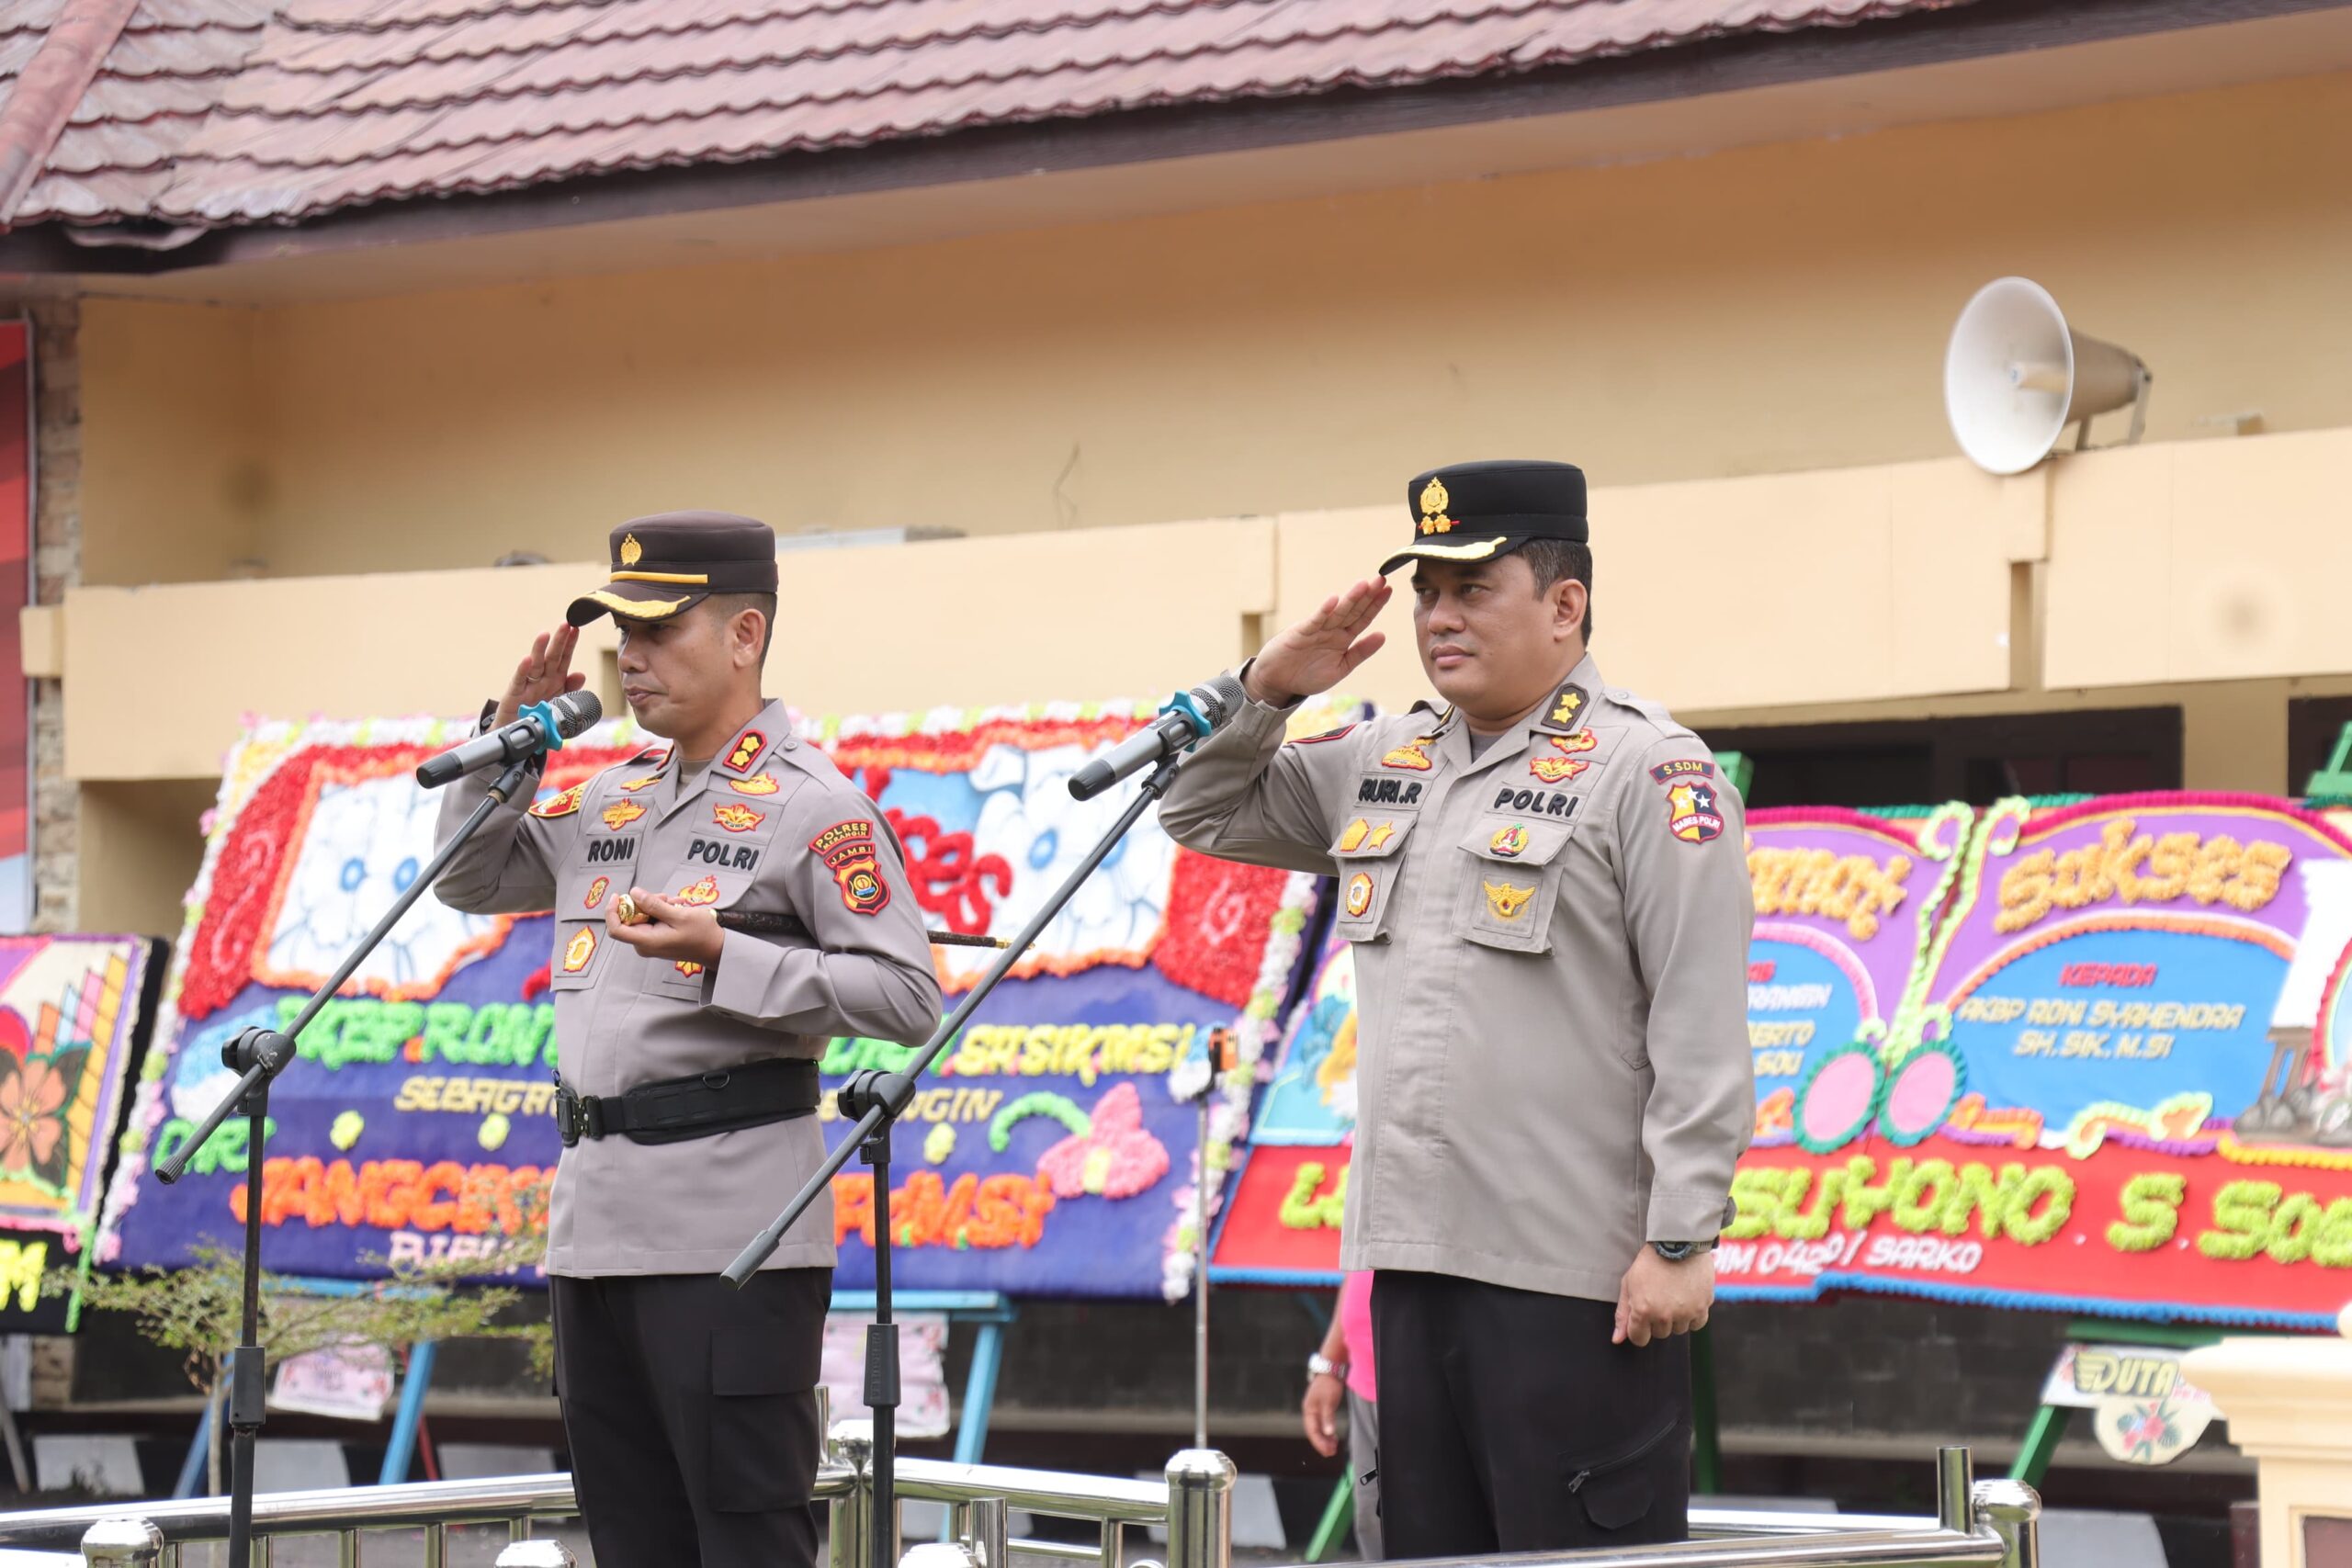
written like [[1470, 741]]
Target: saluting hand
[[1323, 649], [686, 933], [546, 675], [1659, 1298]]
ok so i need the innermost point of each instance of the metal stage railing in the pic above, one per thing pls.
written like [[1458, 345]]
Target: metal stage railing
[[1989, 1523]]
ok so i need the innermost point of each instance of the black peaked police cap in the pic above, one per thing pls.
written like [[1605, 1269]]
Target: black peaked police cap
[[1471, 512], [675, 561]]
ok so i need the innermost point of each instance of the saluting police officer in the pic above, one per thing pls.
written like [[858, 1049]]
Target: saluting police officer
[[1549, 897], [687, 1052]]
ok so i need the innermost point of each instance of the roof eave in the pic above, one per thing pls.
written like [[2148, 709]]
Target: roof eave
[[1968, 30]]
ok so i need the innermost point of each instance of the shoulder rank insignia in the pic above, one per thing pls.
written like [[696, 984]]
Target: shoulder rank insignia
[[1567, 711], [563, 804], [621, 813], [1327, 735], [747, 750], [1691, 813], [758, 783], [1413, 754], [1508, 902]]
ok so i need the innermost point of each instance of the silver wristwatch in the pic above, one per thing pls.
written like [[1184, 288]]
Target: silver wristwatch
[[1318, 1365]]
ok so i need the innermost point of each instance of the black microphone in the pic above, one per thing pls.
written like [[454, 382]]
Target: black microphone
[[1188, 717], [542, 726]]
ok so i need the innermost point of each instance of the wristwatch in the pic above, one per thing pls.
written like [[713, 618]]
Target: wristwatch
[[1318, 1365], [1677, 1251]]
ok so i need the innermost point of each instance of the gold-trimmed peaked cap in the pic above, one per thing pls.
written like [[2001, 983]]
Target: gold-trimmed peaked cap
[[1470, 512], [675, 561]]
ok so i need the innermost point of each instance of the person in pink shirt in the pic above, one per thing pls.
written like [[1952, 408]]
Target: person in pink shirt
[[1343, 1366]]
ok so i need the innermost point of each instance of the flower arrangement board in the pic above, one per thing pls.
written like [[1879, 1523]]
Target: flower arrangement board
[[72, 1016], [1844, 905], [415, 1121], [1054, 1149], [2120, 1089]]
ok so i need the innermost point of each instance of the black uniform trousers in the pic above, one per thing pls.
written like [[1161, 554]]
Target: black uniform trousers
[[690, 1408], [1508, 1422]]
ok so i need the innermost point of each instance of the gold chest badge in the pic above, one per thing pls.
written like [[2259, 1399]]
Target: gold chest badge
[[1508, 902], [1359, 894], [621, 813], [1414, 754], [580, 950]]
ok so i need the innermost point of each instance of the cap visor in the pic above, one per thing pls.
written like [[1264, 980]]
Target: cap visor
[[1469, 550], [637, 600]]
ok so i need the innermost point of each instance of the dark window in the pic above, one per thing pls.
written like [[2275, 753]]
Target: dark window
[[1920, 762], [2312, 726]]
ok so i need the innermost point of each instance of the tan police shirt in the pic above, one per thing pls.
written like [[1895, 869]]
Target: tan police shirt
[[1551, 973], [771, 825]]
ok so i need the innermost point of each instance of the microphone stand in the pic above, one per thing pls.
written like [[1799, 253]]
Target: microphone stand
[[260, 1054], [875, 1099]]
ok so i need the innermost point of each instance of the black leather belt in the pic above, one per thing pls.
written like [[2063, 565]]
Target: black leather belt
[[673, 1110]]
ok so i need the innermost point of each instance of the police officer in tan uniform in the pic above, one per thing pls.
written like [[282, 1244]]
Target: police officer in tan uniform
[[1549, 897], [687, 1051]]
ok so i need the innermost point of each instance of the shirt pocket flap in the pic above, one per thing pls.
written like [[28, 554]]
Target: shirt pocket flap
[[1506, 843], [1373, 837]]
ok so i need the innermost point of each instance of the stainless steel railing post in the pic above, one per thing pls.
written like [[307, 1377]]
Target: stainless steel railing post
[[1955, 1480], [852, 1516], [126, 1543], [983, 1525], [1200, 1509], [2012, 1510]]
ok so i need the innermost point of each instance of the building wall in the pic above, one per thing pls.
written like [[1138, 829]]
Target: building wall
[[1767, 309], [177, 477]]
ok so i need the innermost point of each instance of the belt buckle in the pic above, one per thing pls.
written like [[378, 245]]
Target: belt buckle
[[569, 1120]]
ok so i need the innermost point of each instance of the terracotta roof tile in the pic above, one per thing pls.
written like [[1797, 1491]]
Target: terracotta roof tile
[[220, 112]]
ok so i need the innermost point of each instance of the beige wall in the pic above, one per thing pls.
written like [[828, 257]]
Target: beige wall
[[2203, 561], [1903, 592], [176, 476], [1743, 348], [1770, 309]]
